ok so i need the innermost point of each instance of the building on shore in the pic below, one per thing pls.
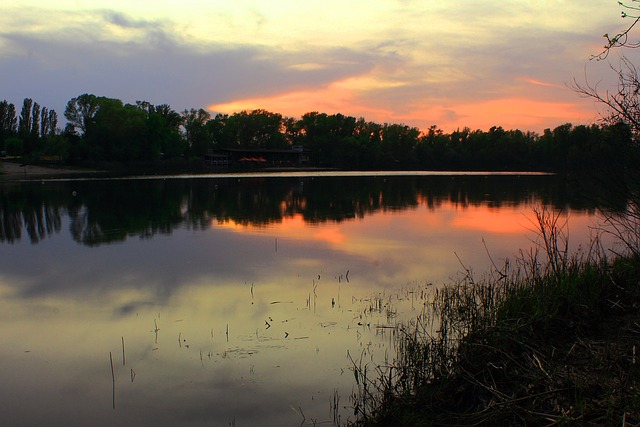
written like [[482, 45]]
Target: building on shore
[[297, 156]]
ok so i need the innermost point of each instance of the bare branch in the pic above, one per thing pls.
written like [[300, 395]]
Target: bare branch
[[622, 105], [622, 39]]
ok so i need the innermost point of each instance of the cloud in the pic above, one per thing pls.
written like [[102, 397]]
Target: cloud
[[159, 67], [122, 20], [389, 62], [539, 83], [475, 85]]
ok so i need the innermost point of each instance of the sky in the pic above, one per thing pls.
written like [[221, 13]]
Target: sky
[[469, 63]]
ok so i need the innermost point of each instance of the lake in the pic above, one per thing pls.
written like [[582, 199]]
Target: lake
[[240, 299]]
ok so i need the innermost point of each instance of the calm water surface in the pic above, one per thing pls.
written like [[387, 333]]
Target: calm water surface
[[234, 300]]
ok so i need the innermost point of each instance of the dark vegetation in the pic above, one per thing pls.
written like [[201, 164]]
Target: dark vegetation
[[105, 132], [551, 339]]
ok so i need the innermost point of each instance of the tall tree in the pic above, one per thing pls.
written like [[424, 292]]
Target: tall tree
[[52, 121], [162, 133], [44, 122], [25, 123], [193, 122], [8, 120], [35, 120], [80, 111]]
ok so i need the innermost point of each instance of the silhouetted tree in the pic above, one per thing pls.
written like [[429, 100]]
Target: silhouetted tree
[[26, 122], [256, 129], [80, 111], [193, 123], [163, 131], [35, 120], [52, 123], [8, 122]]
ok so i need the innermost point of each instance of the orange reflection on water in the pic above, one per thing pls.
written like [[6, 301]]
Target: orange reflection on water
[[292, 227], [485, 218], [446, 217], [333, 235]]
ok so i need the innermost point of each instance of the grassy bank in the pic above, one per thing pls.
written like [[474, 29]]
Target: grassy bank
[[549, 339]]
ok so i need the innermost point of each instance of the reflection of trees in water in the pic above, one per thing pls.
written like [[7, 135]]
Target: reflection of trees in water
[[25, 211], [38, 223], [111, 211]]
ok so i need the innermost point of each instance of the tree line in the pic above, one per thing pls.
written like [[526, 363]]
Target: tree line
[[101, 129]]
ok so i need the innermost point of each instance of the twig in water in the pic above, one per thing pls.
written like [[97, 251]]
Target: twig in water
[[124, 357], [315, 295], [113, 382], [503, 275], [156, 329], [303, 417]]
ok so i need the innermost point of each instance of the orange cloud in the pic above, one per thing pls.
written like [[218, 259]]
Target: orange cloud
[[539, 83], [337, 97]]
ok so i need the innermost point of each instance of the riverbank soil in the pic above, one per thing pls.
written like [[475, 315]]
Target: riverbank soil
[[10, 171], [579, 373]]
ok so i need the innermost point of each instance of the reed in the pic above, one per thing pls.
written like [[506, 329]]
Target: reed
[[124, 357], [335, 408], [516, 346]]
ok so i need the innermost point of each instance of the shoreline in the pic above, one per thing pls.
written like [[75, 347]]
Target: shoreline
[[15, 171]]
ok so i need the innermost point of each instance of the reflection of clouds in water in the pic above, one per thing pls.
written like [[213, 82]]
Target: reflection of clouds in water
[[132, 307]]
